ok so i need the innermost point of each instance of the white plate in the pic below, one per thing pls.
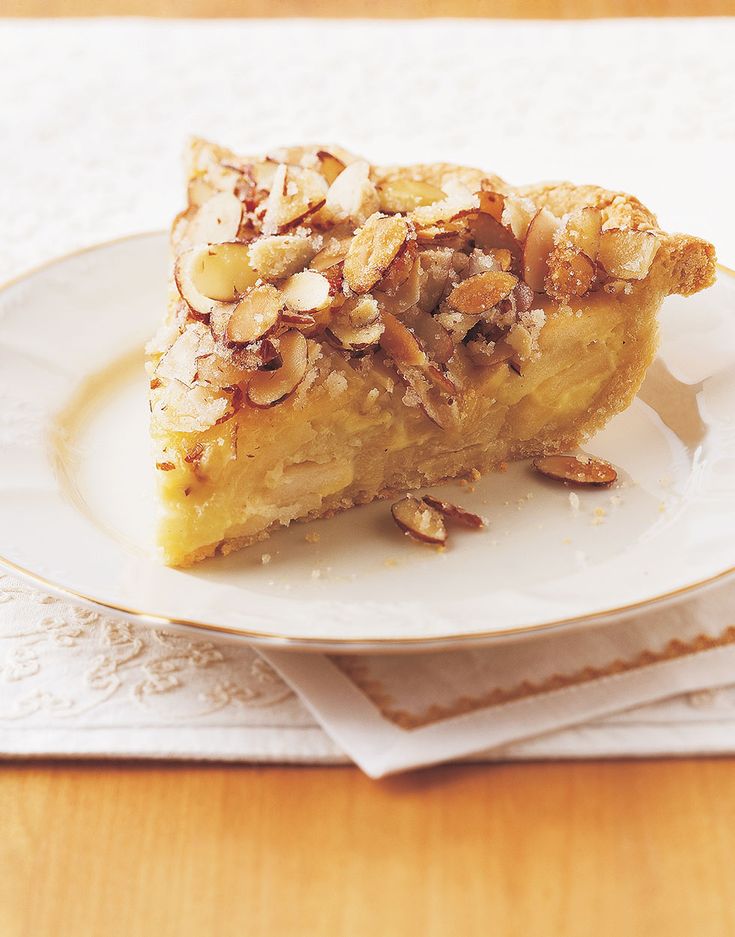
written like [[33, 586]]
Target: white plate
[[77, 505]]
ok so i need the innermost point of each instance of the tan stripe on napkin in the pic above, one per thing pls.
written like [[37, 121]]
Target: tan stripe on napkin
[[363, 673]]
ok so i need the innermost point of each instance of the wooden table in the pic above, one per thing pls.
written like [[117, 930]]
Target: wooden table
[[544, 9], [557, 850]]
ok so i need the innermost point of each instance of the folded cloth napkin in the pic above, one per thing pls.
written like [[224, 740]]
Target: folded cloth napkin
[[75, 681], [642, 105], [390, 713]]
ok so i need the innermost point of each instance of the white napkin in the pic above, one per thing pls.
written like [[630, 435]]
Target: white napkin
[[393, 712], [92, 145]]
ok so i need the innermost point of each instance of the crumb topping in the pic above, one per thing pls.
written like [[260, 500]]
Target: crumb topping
[[433, 269]]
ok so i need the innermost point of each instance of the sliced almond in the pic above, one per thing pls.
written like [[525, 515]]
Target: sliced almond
[[268, 388], [352, 195], [489, 235], [295, 194], [400, 343], [454, 512], [492, 203], [627, 254], [254, 315], [212, 275], [333, 253], [457, 203], [342, 334], [436, 267], [481, 292], [280, 255], [484, 261], [404, 194], [517, 215], [373, 249], [357, 325], [425, 393], [199, 190], [538, 246], [360, 311], [264, 172], [582, 231], [301, 320], [576, 471], [307, 291], [330, 166], [419, 520], [399, 271], [217, 220], [438, 235], [571, 273]]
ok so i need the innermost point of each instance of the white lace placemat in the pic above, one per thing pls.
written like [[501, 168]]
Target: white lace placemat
[[93, 132]]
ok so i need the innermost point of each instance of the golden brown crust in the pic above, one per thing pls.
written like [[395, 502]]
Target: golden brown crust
[[685, 263]]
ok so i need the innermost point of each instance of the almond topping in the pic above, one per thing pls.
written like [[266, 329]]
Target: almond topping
[[569, 468], [301, 320], [329, 165], [306, 291], [517, 214], [436, 234], [492, 203], [537, 248], [360, 311], [627, 254], [400, 343], [403, 195], [208, 276], [255, 314], [348, 337], [280, 255], [333, 253], [373, 249], [268, 388], [571, 273], [400, 270], [419, 520], [352, 195], [490, 235], [295, 193], [481, 292], [454, 512], [582, 231], [217, 220]]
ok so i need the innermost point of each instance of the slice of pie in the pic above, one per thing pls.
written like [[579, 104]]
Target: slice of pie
[[339, 332]]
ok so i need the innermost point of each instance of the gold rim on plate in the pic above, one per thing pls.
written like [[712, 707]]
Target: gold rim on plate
[[283, 641]]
